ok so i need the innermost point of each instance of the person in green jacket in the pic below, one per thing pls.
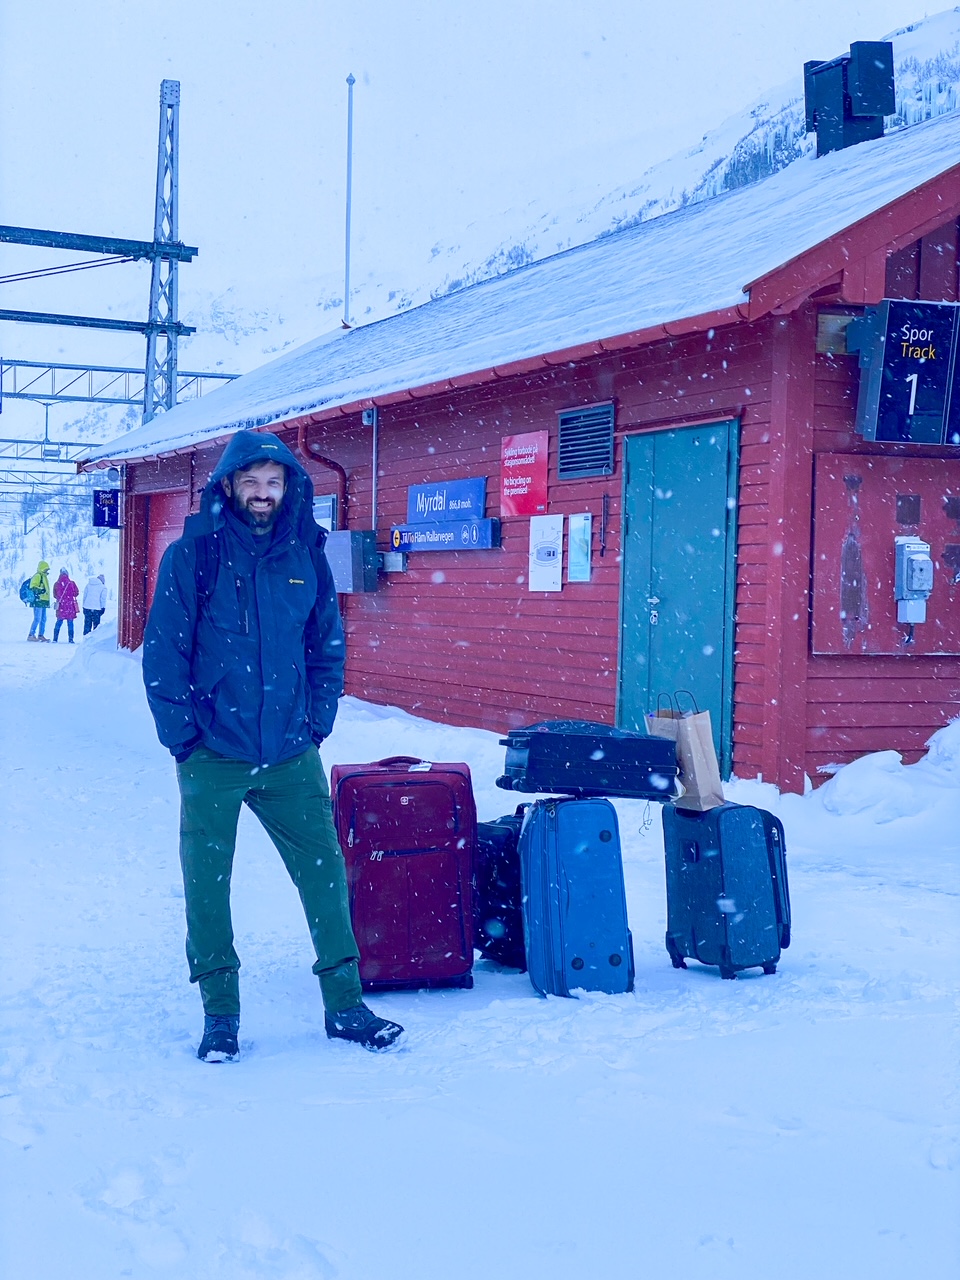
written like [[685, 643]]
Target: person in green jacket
[[40, 586]]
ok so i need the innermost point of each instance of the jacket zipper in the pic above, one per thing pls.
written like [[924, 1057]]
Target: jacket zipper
[[242, 603]]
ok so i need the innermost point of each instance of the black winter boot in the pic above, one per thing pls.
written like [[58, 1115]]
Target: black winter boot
[[219, 1043], [362, 1026]]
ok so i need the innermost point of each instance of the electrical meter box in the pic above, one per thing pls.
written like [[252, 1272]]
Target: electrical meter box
[[352, 556], [913, 578]]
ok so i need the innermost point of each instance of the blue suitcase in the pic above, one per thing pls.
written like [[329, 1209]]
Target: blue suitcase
[[728, 903], [574, 906]]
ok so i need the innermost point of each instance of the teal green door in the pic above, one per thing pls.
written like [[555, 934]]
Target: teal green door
[[679, 574]]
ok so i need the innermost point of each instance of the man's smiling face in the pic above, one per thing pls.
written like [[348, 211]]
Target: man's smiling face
[[256, 494]]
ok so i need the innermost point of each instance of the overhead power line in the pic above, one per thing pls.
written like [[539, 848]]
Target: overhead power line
[[63, 270]]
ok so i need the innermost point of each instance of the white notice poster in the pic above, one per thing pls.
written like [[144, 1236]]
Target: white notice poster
[[546, 553], [578, 548]]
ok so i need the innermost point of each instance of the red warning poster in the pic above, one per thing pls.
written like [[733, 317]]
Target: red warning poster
[[523, 474]]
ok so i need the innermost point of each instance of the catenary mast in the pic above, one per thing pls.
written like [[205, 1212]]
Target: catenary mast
[[160, 386]]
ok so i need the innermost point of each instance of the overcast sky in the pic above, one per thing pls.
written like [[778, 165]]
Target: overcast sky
[[462, 106]]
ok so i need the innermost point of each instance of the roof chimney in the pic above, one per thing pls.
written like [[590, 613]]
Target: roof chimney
[[847, 98]]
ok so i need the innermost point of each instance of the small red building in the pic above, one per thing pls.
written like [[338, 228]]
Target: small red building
[[693, 377]]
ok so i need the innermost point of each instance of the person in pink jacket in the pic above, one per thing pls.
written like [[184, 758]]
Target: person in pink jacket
[[66, 593]]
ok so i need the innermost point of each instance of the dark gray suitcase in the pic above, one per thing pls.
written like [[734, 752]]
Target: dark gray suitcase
[[582, 758], [728, 903], [574, 906], [497, 895]]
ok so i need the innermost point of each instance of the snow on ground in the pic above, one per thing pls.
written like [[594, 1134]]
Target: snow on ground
[[797, 1125]]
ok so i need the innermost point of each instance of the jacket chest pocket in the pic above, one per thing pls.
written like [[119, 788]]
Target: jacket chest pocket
[[295, 593], [228, 608]]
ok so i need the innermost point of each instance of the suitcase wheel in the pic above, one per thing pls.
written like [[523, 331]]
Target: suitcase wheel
[[676, 959], [770, 968], [785, 937], [727, 973]]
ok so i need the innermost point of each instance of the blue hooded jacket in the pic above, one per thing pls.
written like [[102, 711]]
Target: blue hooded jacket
[[243, 650]]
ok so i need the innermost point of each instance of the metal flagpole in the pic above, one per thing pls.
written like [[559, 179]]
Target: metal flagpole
[[346, 274]]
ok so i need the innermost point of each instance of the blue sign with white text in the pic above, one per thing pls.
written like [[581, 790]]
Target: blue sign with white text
[[106, 509], [448, 500], [447, 535]]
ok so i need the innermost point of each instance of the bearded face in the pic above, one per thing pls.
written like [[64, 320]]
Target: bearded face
[[256, 494]]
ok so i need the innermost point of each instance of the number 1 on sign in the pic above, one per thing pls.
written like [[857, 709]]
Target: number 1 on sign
[[912, 379]]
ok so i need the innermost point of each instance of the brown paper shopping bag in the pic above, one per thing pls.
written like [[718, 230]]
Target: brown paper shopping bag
[[696, 755]]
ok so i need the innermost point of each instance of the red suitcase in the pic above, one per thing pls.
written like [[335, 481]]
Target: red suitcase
[[408, 831]]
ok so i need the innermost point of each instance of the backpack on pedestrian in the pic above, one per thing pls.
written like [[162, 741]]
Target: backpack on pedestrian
[[28, 594]]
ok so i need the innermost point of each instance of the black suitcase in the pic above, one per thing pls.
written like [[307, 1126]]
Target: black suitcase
[[581, 758], [728, 902], [497, 900]]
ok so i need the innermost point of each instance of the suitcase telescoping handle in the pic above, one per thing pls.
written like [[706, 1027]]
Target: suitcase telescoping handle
[[773, 829]]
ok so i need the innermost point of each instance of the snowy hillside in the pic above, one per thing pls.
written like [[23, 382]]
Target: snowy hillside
[[761, 139], [245, 317], [765, 137], [251, 319]]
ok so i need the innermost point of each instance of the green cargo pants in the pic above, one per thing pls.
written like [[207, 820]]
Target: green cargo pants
[[292, 802]]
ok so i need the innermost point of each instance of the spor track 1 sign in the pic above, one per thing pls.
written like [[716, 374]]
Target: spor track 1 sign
[[909, 389]]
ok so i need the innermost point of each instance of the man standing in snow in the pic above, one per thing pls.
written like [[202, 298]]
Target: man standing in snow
[[243, 664]]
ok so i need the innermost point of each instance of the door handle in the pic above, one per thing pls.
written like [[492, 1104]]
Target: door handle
[[654, 617]]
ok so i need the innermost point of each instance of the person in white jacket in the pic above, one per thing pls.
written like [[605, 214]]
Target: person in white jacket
[[94, 603]]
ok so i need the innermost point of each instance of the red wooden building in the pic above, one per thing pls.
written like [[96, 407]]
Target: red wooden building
[[741, 543]]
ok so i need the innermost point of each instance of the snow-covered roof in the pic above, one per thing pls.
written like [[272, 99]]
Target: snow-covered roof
[[695, 261]]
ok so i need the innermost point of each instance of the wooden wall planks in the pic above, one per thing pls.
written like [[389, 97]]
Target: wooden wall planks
[[498, 654]]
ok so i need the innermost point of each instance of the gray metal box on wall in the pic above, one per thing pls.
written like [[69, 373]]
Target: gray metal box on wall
[[352, 556]]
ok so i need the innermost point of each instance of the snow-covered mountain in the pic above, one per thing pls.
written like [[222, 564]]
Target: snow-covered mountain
[[253, 320], [246, 317], [761, 139]]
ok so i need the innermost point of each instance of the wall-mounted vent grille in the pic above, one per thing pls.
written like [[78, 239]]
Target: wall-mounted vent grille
[[586, 442]]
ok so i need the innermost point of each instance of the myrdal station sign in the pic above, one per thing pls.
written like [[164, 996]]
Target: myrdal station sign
[[447, 517]]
